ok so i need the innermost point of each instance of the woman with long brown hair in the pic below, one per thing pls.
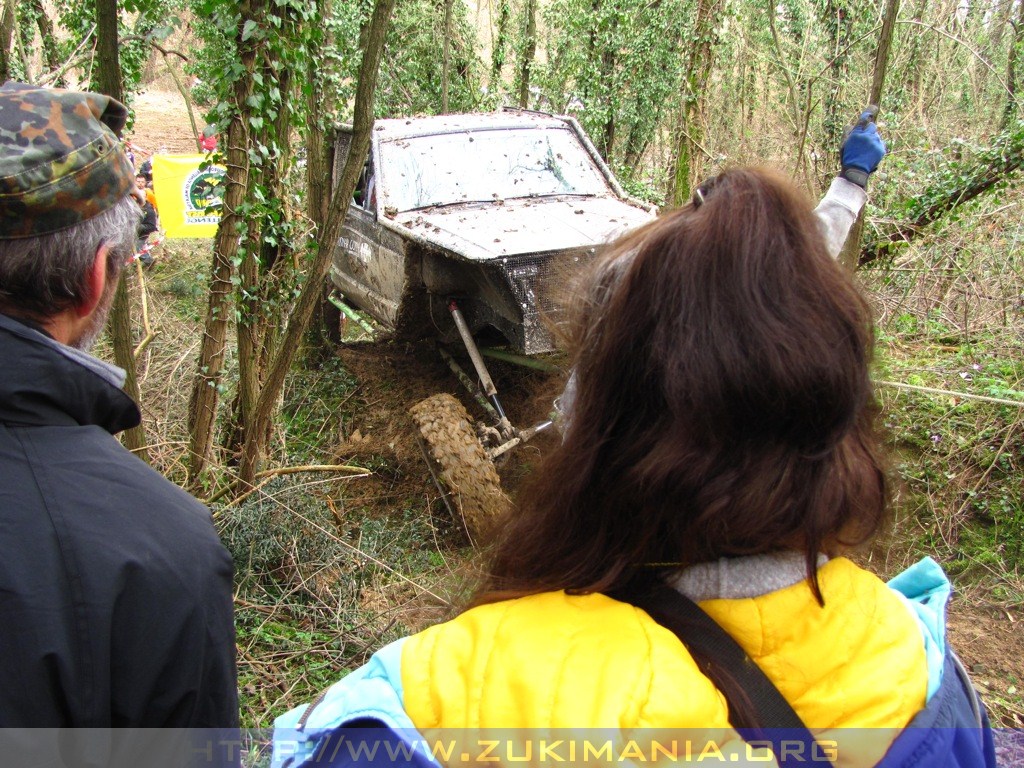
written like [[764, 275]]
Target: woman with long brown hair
[[723, 402], [721, 442]]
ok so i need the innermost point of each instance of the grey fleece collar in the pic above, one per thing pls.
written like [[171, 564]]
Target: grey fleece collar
[[742, 577]]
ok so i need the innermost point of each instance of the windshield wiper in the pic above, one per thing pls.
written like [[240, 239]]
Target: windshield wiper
[[438, 206]]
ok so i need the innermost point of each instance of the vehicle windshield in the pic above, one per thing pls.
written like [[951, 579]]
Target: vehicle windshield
[[486, 165]]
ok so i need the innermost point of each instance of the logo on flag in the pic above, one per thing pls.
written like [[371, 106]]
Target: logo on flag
[[188, 196]]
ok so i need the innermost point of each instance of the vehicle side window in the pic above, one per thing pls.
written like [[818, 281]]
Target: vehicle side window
[[365, 195]]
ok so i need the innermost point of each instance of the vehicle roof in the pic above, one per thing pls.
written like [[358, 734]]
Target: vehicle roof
[[408, 127]]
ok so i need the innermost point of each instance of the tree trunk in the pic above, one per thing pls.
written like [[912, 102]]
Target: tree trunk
[[500, 44], [205, 397], [446, 55], [258, 301], [914, 59], [266, 407], [850, 255], [688, 127], [838, 24], [1000, 20], [108, 66], [108, 81], [1011, 111], [319, 174], [50, 54], [7, 24], [24, 36], [529, 51]]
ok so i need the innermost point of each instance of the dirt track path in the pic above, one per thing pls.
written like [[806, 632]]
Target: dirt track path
[[161, 121]]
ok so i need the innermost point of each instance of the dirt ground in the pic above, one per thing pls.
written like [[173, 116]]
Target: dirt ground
[[393, 377], [161, 120]]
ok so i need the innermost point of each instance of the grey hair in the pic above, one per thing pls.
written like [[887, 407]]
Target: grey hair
[[45, 275]]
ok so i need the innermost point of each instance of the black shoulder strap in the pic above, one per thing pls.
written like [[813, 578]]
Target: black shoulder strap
[[706, 639]]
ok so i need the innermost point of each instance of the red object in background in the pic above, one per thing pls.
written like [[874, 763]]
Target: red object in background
[[208, 143]]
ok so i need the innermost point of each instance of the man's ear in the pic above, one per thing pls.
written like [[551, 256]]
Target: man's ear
[[95, 283]]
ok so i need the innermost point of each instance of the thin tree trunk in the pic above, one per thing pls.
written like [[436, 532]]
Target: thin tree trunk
[[529, 51], [500, 44], [688, 127], [108, 66], [589, 86], [108, 81], [50, 54], [120, 329], [850, 255], [260, 269], [446, 55], [266, 407], [839, 24], [892, 10], [319, 173], [23, 37], [205, 397], [914, 59], [791, 88], [998, 15], [1012, 109], [1000, 20], [7, 24]]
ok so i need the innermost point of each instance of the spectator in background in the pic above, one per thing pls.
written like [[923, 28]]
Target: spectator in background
[[208, 141], [150, 222]]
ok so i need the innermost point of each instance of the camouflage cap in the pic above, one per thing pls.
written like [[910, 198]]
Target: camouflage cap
[[60, 160]]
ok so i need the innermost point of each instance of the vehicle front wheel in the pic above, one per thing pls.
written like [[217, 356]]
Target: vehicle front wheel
[[464, 474]]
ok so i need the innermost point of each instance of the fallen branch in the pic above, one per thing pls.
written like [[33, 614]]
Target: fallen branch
[[144, 343], [269, 474], [995, 166], [72, 61], [150, 333], [183, 91], [950, 393]]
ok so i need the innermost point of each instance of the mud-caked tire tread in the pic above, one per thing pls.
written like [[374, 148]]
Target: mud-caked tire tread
[[464, 466]]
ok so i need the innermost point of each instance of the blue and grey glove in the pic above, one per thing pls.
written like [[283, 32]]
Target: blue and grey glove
[[862, 149]]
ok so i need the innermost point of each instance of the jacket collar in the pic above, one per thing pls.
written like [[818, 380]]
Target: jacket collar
[[44, 382]]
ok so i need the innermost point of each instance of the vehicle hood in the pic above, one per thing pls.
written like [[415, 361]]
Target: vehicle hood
[[484, 231]]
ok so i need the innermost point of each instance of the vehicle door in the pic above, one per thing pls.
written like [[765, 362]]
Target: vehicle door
[[370, 275]]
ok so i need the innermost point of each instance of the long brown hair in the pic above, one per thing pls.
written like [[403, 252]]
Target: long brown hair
[[723, 403]]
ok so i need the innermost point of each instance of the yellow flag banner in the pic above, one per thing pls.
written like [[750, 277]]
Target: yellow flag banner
[[188, 198]]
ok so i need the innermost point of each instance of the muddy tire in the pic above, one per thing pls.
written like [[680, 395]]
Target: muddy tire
[[471, 489]]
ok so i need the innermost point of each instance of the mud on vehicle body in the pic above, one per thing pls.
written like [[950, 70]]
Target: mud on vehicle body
[[486, 208], [462, 226]]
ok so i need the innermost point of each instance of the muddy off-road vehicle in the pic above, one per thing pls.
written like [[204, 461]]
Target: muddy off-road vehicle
[[459, 227]]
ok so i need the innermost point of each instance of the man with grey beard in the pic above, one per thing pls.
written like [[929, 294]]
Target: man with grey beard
[[115, 592]]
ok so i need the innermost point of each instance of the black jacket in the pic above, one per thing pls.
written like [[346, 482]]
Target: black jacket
[[115, 592], [149, 223]]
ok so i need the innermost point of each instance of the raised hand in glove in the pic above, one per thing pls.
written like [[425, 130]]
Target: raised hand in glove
[[862, 149]]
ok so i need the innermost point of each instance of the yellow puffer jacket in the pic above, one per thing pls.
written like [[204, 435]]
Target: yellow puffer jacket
[[565, 661], [557, 661]]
